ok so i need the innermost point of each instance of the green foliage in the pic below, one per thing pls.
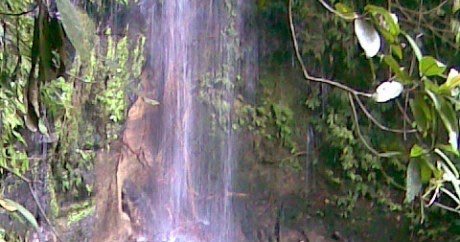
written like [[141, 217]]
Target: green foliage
[[12, 207], [80, 212], [79, 28], [122, 64], [214, 93], [91, 86], [438, 99], [429, 167]]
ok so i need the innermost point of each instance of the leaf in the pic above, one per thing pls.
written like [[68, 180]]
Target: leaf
[[391, 39], [7, 205], [449, 163], [413, 181], [448, 148], [452, 81], [24, 212], [30, 124], [449, 119], [368, 37], [429, 66], [435, 98], [388, 90], [42, 128], [421, 112], [415, 48], [417, 151], [345, 10], [33, 94], [393, 64], [397, 51], [78, 27], [426, 171], [393, 26]]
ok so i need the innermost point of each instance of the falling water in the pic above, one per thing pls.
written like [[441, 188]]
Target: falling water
[[197, 53], [310, 159]]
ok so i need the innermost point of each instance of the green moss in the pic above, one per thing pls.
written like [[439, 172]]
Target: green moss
[[80, 211], [54, 206]]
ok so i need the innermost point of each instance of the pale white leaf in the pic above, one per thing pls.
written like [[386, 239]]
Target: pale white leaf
[[413, 181], [387, 91], [452, 74], [453, 140], [368, 37]]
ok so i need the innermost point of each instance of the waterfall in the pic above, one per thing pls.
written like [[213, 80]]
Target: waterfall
[[197, 52]]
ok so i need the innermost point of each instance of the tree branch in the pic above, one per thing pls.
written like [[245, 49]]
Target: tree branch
[[25, 179], [304, 70], [350, 90], [376, 122], [21, 13], [358, 130]]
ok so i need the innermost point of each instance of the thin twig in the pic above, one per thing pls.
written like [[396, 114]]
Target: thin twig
[[391, 180], [21, 13], [405, 116], [350, 90], [428, 25], [358, 130], [433, 10], [304, 70], [27, 180], [300, 153], [376, 122], [42, 211], [36, 200], [440, 205]]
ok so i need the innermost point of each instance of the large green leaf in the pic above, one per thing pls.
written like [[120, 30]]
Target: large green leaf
[[22, 210], [421, 112], [452, 81], [413, 181], [435, 98], [78, 27], [426, 170], [397, 51], [345, 10], [415, 48], [417, 151], [429, 66], [400, 74], [449, 119], [7, 206], [393, 26]]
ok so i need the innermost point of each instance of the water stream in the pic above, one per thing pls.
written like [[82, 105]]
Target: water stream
[[196, 50]]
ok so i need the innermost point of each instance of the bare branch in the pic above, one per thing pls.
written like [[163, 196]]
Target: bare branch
[[42, 211], [350, 90], [376, 122], [304, 70], [358, 130], [21, 13], [25, 179]]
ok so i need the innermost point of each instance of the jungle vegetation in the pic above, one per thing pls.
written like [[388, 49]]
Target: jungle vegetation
[[62, 63]]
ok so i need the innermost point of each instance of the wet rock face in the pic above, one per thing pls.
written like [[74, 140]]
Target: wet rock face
[[137, 207]]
